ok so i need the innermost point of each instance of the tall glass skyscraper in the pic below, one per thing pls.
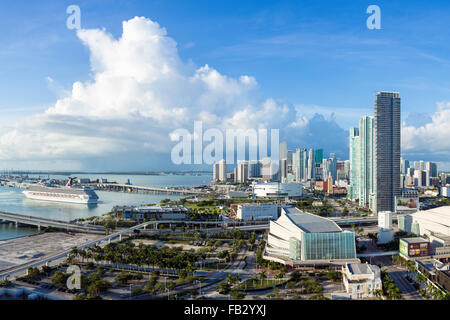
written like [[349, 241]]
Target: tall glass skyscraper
[[365, 159], [300, 164], [311, 164], [319, 156], [386, 150], [354, 164]]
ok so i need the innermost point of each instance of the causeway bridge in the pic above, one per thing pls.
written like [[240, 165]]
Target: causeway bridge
[[44, 222], [133, 188]]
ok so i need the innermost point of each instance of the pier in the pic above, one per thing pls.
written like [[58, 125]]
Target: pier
[[43, 223]]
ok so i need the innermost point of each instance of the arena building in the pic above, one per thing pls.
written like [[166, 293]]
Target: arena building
[[277, 190]]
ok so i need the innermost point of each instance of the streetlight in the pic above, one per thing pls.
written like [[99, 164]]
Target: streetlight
[[168, 293]]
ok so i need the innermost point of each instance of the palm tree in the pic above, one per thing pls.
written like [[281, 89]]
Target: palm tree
[[262, 276]]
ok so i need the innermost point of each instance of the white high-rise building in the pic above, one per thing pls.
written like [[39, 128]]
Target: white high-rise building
[[223, 171], [366, 159], [385, 230], [353, 193], [216, 172], [242, 172], [311, 165]]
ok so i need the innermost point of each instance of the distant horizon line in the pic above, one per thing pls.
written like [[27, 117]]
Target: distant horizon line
[[58, 172]]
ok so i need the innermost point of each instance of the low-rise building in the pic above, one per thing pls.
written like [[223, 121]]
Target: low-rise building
[[414, 247], [262, 211], [140, 214], [361, 279]]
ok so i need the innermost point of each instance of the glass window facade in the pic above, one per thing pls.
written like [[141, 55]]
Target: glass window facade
[[294, 249], [324, 246]]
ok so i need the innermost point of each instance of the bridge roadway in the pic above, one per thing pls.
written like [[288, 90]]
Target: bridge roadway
[[112, 186], [44, 222], [21, 269]]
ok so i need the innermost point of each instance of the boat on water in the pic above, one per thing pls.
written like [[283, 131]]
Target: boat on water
[[68, 193]]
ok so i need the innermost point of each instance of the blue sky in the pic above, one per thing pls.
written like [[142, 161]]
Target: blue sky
[[315, 56]]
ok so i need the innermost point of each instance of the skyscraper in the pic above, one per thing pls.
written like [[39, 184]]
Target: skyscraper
[[283, 150], [319, 156], [216, 172], [311, 165], [242, 172], [223, 170], [432, 168], [255, 167], [289, 161], [365, 159], [404, 165], [300, 164], [386, 150], [354, 163]]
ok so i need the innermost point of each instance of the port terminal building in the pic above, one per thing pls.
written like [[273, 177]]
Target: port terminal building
[[298, 238]]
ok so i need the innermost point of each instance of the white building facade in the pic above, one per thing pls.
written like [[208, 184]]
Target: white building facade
[[275, 190], [263, 211], [361, 280]]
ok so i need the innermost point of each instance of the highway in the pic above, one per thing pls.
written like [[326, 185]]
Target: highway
[[43, 222]]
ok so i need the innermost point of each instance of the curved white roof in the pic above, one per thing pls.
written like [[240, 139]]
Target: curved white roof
[[309, 222]]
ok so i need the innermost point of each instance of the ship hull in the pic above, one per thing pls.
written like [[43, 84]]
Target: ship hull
[[50, 198]]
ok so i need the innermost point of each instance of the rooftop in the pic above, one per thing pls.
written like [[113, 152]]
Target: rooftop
[[311, 223], [439, 215], [359, 268], [414, 240]]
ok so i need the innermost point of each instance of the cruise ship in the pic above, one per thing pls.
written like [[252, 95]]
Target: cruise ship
[[62, 194]]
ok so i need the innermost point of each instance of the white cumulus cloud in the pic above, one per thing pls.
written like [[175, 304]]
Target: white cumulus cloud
[[139, 92]]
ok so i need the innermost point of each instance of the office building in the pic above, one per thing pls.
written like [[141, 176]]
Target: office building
[[283, 150], [319, 156], [365, 181], [300, 164], [432, 168], [299, 238], [311, 165], [386, 150], [269, 169], [353, 193], [289, 161], [255, 169], [283, 170], [419, 165], [404, 165], [242, 172]]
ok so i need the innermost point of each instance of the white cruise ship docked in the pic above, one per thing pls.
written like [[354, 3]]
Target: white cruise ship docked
[[62, 194]]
